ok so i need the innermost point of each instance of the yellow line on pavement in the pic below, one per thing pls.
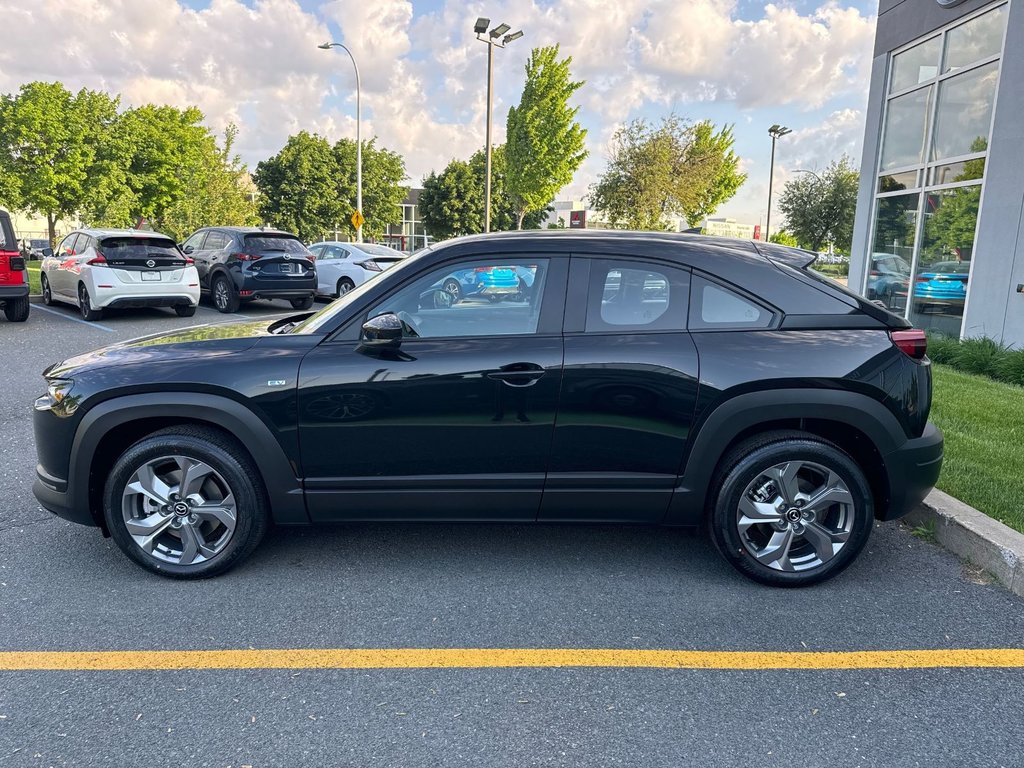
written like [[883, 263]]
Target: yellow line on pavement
[[480, 658]]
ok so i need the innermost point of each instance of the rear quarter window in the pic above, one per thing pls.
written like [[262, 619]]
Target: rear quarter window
[[714, 307]]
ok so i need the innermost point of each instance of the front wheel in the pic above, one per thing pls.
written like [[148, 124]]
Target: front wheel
[[85, 306], [185, 503], [791, 510], [305, 303]]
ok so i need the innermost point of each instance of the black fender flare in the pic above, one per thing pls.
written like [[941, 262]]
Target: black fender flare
[[284, 488], [713, 434]]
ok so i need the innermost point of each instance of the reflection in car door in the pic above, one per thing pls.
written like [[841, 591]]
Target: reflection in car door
[[61, 277], [629, 392], [456, 423]]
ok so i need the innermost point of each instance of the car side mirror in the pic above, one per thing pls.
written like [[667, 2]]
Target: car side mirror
[[383, 331], [435, 299], [47, 252], [187, 249]]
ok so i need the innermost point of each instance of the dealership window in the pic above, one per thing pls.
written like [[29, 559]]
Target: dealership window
[[938, 117]]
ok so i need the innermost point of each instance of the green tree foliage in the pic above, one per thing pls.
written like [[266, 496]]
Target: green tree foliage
[[218, 191], [57, 149], [659, 171], [717, 149], [383, 193], [545, 144], [782, 237], [820, 208], [299, 187], [452, 202]]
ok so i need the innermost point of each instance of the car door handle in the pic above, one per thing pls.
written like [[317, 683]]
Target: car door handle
[[518, 374]]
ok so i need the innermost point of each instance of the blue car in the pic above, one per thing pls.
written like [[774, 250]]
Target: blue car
[[493, 283], [888, 278], [942, 285]]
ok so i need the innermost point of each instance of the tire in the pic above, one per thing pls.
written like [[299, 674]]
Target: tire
[[219, 539], [452, 288], [85, 306], [305, 303], [16, 310], [44, 285], [776, 478], [225, 298], [185, 310], [344, 286]]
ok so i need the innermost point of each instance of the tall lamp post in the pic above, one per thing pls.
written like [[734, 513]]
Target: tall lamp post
[[776, 132], [357, 217], [492, 39]]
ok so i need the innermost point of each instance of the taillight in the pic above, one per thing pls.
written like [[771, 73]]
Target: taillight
[[912, 343], [246, 256], [189, 261], [369, 264], [98, 261]]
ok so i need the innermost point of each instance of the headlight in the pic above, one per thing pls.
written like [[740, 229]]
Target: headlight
[[58, 398]]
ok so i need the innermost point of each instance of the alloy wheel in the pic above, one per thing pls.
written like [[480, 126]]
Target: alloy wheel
[[83, 301], [451, 287], [796, 516], [179, 510], [220, 294]]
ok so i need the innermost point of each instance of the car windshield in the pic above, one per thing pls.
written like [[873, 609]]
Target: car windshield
[[314, 323], [268, 242], [136, 247]]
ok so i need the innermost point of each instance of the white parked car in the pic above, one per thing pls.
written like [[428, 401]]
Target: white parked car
[[340, 267], [96, 269]]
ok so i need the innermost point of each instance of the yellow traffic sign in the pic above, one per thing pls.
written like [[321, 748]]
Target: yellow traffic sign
[[357, 219]]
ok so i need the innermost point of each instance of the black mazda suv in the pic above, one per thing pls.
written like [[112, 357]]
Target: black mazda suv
[[644, 378], [237, 265]]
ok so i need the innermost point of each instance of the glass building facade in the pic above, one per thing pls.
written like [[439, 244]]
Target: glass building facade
[[929, 168]]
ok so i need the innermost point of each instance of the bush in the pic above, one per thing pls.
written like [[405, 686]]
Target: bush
[[980, 356]]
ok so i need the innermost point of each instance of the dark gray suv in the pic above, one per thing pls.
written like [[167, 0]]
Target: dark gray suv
[[242, 264]]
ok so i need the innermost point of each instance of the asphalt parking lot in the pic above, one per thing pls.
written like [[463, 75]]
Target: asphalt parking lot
[[65, 589]]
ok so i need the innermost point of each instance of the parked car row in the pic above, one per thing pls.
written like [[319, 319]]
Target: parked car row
[[99, 269]]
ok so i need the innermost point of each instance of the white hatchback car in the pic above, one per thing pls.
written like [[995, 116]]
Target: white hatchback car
[[340, 267], [96, 269]]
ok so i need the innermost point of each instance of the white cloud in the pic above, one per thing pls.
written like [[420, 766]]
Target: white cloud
[[423, 76]]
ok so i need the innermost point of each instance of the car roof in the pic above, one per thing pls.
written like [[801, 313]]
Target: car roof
[[113, 232], [251, 231]]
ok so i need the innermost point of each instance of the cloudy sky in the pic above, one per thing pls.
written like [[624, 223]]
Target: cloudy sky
[[255, 63]]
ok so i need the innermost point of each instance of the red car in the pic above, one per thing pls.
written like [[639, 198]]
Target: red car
[[13, 277]]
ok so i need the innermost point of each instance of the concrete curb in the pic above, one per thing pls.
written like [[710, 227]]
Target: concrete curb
[[974, 536]]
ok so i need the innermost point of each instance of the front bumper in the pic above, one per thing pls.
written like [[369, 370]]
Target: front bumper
[[913, 470], [52, 495]]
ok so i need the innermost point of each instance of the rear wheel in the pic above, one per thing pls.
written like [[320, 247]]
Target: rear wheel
[[85, 306], [791, 510], [184, 503], [44, 285], [16, 310], [225, 299], [452, 288], [305, 303], [184, 310], [344, 286]]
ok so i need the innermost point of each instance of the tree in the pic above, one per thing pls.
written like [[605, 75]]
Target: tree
[[51, 147], [544, 144], [299, 187], [657, 172], [820, 208], [383, 193], [716, 148], [452, 202], [782, 237], [219, 192]]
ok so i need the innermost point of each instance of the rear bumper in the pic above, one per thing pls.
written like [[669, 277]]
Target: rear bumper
[[913, 470], [278, 293], [137, 302], [13, 291]]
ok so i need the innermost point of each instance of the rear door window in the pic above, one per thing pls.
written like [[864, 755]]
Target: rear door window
[[629, 295], [216, 241]]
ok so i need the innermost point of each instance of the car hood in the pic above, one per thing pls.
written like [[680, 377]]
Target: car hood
[[201, 341]]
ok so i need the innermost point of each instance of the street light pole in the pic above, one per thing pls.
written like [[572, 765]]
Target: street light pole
[[492, 39], [776, 132], [359, 139]]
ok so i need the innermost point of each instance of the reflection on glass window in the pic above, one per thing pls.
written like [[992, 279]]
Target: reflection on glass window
[[917, 65], [964, 170], [964, 115], [940, 285], [893, 251], [896, 182], [977, 39], [903, 142]]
